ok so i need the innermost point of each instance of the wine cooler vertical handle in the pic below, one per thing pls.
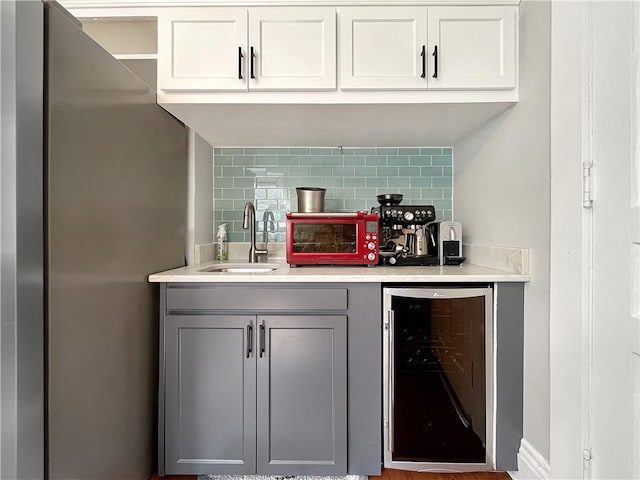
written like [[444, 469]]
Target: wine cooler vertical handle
[[423, 54], [435, 61], [240, 57], [253, 56], [391, 379], [262, 339]]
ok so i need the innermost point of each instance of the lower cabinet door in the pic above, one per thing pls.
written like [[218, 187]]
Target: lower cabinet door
[[210, 396], [302, 395]]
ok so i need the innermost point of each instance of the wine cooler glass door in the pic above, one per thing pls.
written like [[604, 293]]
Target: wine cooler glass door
[[438, 385]]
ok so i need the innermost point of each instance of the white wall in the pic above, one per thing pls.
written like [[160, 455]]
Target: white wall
[[199, 195], [502, 189], [569, 146]]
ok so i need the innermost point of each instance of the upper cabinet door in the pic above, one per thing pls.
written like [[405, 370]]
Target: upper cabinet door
[[202, 49], [292, 48], [472, 48], [383, 48]]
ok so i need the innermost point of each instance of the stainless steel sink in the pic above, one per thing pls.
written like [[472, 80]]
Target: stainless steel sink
[[249, 268]]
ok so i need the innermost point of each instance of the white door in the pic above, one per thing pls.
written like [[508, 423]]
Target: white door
[[383, 48], [634, 286], [292, 48], [614, 416], [472, 48], [202, 49]]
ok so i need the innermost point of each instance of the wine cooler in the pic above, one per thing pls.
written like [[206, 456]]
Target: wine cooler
[[438, 382]]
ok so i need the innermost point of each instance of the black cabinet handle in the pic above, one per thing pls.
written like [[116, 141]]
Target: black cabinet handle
[[240, 57], [249, 339], [253, 56], [262, 339], [435, 61], [424, 61]]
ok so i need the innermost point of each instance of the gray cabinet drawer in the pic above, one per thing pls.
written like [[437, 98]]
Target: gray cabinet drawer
[[193, 298]]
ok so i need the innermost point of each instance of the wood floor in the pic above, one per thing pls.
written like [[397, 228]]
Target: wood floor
[[388, 474]]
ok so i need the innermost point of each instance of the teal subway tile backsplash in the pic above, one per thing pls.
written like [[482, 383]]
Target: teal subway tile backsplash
[[352, 176], [409, 151], [430, 151], [399, 161]]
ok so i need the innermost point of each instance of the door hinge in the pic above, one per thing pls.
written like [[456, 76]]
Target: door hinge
[[586, 459], [587, 201]]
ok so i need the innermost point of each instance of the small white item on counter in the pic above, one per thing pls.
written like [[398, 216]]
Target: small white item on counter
[[222, 253]]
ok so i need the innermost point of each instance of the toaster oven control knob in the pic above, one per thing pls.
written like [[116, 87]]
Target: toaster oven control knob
[[371, 246], [371, 256], [408, 216]]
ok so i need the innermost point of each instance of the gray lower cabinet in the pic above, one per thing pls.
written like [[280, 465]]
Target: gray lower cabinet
[[254, 378], [262, 394], [275, 378], [210, 395], [302, 395]]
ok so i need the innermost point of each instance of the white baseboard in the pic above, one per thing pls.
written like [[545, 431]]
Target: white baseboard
[[531, 464]]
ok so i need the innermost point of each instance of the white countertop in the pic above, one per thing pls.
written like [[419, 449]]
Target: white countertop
[[350, 274]]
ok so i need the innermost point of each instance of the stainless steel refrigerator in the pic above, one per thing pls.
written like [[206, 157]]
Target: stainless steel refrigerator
[[113, 211]]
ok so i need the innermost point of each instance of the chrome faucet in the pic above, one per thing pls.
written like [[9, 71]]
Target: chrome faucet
[[249, 221]]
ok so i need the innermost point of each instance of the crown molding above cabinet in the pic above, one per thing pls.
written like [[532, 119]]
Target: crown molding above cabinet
[[125, 4]]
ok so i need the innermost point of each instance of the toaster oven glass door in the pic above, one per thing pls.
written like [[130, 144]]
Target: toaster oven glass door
[[324, 238]]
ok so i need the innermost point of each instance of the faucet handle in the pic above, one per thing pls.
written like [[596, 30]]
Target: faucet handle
[[268, 226], [269, 221]]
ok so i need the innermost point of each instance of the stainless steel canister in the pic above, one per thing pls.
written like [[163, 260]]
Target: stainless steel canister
[[310, 199]]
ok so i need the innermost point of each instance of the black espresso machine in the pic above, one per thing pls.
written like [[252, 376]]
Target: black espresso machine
[[410, 235], [404, 236]]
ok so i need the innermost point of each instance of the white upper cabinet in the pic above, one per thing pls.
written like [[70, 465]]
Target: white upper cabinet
[[202, 49], [293, 48], [433, 48], [383, 48], [227, 49], [472, 48]]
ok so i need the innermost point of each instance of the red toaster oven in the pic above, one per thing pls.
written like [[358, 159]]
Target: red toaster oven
[[332, 239]]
